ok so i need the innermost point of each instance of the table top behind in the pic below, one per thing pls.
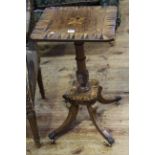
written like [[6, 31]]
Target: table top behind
[[87, 23]]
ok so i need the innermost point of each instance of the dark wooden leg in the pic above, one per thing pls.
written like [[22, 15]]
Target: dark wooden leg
[[73, 110], [31, 116], [106, 101], [40, 84], [103, 132], [118, 20], [82, 72]]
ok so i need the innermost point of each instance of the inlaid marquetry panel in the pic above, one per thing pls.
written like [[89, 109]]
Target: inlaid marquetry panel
[[76, 23]]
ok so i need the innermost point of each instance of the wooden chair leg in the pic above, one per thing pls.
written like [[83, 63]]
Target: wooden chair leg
[[31, 116], [40, 84]]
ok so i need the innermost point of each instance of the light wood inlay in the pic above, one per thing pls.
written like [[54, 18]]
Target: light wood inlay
[[88, 23]]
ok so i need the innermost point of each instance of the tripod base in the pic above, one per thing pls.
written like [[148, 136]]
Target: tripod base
[[76, 98]]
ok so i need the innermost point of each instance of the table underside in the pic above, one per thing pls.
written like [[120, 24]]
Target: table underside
[[87, 23]]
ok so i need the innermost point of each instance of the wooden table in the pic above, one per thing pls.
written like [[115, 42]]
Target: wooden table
[[79, 25]]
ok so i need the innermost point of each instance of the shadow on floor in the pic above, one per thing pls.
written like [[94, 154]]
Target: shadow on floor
[[48, 50]]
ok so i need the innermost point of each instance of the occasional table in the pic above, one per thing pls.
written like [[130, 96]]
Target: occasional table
[[79, 25]]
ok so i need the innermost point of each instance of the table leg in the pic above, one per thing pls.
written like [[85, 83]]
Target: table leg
[[82, 72], [80, 95], [103, 132], [73, 110], [101, 99]]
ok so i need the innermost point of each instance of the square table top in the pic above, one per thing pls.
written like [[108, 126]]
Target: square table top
[[84, 23]]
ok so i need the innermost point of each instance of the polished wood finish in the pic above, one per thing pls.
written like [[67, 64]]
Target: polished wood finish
[[66, 126], [113, 76], [82, 72], [79, 24], [89, 23], [85, 92], [87, 98]]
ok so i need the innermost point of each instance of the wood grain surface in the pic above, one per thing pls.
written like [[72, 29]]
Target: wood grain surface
[[108, 64], [87, 23]]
